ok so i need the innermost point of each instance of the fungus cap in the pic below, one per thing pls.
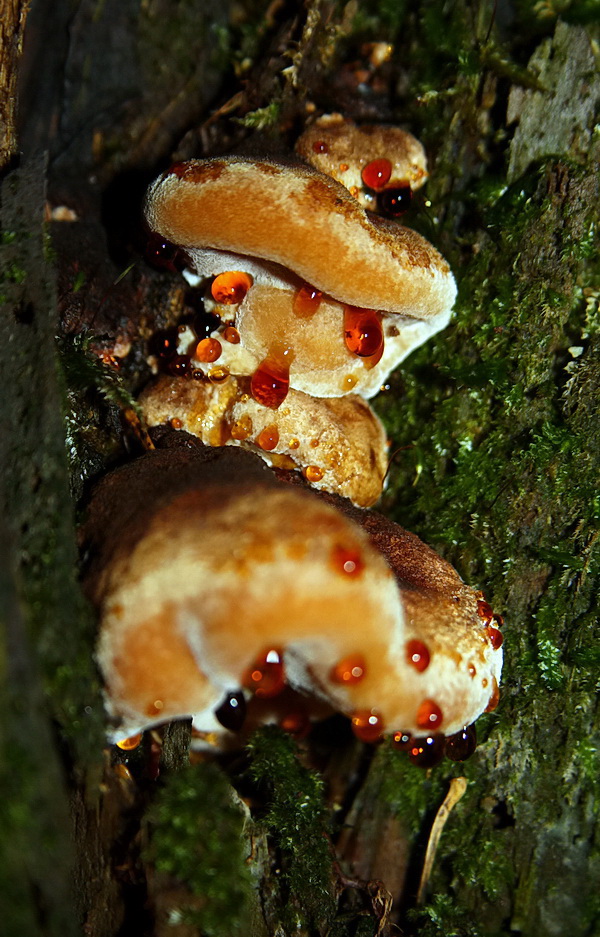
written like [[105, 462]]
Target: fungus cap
[[305, 222]]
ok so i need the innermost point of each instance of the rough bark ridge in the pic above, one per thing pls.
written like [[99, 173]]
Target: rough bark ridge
[[497, 467]]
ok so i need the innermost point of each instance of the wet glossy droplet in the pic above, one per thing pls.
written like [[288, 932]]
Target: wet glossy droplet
[[417, 655], [209, 349], [242, 428], [306, 302], [205, 323], [266, 677], [363, 332], [403, 741], [130, 743], [230, 288], [496, 637], [218, 375], [349, 670], [429, 715], [349, 381], [313, 473], [394, 201], [231, 335], [155, 708], [179, 366], [472, 669], [294, 443], [232, 712], [268, 438], [377, 173], [461, 746], [162, 254], [484, 610], [176, 423], [367, 725], [271, 380], [319, 146], [494, 698], [427, 752], [347, 560]]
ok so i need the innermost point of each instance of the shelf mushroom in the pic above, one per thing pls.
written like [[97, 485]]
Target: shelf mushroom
[[212, 577], [327, 295]]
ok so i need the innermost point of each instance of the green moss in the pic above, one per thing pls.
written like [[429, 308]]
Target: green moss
[[198, 840], [296, 820]]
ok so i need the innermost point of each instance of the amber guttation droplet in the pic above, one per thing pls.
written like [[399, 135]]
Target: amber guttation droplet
[[484, 610], [129, 744], [271, 380], [123, 772], [241, 429], [461, 746], [218, 375], [232, 712], [377, 173], [429, 715], [266, 677], [347, 560], [363, 332], [349, 670], [498, 619], [229, 288], [319, 146], [306, 302], [179, 366], [294, 443], [403, 741], [494, 698], [176, 423], [394, 201], [209, 349], [296, 722], [367, 725], [344, 167], [313, 473], [417, 655], [427, 752], [268, 438], [155, 708], [231, 335], [496, 637], [349, 381], [472, 669]]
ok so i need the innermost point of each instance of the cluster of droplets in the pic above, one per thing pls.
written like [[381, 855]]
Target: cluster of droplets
[[392, 198]]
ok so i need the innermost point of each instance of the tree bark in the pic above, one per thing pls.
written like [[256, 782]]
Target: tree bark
[[497, 460]]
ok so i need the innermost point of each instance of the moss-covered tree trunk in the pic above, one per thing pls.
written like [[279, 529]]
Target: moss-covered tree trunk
[[497, 465]]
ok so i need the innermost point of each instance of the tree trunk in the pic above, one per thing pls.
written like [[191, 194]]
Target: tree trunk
[[493, 424]]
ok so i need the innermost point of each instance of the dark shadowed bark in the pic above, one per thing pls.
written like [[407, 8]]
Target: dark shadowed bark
[[494, 425]]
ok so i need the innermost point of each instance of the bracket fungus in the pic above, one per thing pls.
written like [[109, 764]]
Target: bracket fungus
[[313, 298], [215, 578], [381, 166]]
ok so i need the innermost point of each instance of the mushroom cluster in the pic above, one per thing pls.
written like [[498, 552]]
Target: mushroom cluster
[[234, 594], [315, 300], [225, 591]]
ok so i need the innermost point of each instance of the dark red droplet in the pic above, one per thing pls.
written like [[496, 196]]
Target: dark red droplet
[[179, 366], [347, 560], [394, 201], [429, 715], [367, 725], [427, 752], [266, 676], [496, 637], [162, 254], [403, 741], [319, 146], [417, 655], [271, 380], [204, 324], [363, 332], [461, 745], [296, 721], [377, 173], [485, 610], [232, 712]]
